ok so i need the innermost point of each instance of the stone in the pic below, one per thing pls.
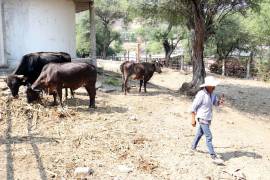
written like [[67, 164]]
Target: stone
[[83, 171], [133, 118], [107, 89], [125, 168], [98, 84]]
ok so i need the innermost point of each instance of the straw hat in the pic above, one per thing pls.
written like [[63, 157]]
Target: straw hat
[[210, 81]]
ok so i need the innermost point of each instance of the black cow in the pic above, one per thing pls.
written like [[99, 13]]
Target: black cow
[[140, 71], [72, 75], [30, 67]]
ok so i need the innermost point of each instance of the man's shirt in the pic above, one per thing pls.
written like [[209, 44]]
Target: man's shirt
[[203, 103]]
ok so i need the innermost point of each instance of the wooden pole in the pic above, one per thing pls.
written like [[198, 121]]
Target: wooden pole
[[138, 52], [92, 50]]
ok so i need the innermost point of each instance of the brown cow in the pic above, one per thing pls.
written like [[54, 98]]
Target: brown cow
[[54, 77], [140, 71]]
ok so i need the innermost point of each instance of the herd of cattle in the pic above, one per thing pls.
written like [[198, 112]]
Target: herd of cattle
[[50, 72]]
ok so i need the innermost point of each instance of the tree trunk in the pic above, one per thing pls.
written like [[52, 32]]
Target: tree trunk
[[92, 51], [182, 63], [223, 66], [104, 51], [168, 51], [199, 74]]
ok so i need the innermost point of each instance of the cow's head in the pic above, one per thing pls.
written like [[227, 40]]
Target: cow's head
[[157, 66], [32, 94], [14, 82]]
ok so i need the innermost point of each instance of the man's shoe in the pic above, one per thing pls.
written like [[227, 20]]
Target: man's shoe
[[217, 160]]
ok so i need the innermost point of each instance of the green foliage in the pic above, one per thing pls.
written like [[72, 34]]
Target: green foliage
[[154, 47], [82, 34], [118, 47], [229, 36], [104, 36], [112, 81]]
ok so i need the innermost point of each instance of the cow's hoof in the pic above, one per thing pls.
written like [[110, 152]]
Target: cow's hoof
[[53, 104], [92, 107]]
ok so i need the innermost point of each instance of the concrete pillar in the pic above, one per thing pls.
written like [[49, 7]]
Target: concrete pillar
[[3, 61], [92, 51]]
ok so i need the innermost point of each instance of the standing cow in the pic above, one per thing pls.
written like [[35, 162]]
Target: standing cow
[[140, 71], [72, 75], [30, 67]]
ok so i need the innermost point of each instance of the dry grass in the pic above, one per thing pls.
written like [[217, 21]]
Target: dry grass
[[43, 142]]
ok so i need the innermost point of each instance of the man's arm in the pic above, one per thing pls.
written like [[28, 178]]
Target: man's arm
[[193, 121], [195, 105]]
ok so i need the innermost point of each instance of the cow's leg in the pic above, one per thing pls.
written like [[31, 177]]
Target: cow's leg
[[59, 93], [126, 84], [54, 99], [123, 80], [66, 92], [91, 90], [72, 93], [144, 83], [141, 82]]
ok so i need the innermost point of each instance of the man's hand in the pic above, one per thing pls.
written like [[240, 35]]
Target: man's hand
[[221, 100], [193, 122]]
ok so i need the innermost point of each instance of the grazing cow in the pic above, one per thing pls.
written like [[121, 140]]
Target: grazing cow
[[54, 77], [140, 71], [30, 67]]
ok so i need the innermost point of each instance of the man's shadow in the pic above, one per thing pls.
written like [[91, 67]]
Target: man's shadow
[[236, 154]]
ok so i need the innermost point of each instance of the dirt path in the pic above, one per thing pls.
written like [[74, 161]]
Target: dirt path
[[149, 133]]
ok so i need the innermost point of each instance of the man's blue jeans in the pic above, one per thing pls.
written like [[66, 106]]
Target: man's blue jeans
[[204, 129]]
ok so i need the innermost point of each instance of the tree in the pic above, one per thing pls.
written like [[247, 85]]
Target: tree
[[170, 30], [109, 11], [230, 36], [201, 17], [167, 35], [83, 35], [170, 38]]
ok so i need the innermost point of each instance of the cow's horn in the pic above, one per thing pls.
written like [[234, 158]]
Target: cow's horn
[[20, 76]]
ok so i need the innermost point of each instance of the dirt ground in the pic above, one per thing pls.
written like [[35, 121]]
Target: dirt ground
[[149, 135]]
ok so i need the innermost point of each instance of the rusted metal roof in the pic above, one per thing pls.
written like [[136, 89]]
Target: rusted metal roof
[[82, 5]]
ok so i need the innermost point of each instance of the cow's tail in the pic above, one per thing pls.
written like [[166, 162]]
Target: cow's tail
[[122, 67]]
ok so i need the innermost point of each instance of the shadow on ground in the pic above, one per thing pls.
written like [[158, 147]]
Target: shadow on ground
[[236, 154], [247, 99], [81, 105], [8, 140]]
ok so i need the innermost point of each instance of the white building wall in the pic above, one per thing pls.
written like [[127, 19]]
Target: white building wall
[[2, 54], [38, 25]]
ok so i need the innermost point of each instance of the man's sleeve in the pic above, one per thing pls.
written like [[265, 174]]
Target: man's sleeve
[[196, 102], [215, 100]]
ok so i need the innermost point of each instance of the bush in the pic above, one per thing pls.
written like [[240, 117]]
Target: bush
[[264, 71]]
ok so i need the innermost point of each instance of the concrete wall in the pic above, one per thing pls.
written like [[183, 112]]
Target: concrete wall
[[38, 25], [2, 54], [109, 65]]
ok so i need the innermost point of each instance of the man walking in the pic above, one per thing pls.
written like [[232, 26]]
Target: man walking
[[202, 111]]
